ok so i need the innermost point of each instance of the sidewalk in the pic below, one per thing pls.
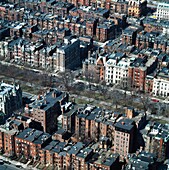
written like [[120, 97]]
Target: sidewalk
[[25, 166]]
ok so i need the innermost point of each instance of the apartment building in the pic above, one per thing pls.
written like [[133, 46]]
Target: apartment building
[[138, 70], [29, 142], [163, 10], [129, 34], [68, 55], [10, 98], [124, 137], [161, 83], [45, 109], [156, 138], [117, 69], [7, 134], [91, 123], [137, 8]]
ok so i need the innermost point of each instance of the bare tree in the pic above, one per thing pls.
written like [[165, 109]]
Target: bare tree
[[145, 101], [67, 79], [103, 89]]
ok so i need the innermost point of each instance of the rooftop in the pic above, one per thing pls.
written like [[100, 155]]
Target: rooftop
[[34, 136]]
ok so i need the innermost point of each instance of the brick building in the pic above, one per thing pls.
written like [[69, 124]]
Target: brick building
[[156, 140], [69, 111], [47, 108], [137, 8], [90, 123], [105, 30], [29, 142], [139, 69], [129, 34], [124, 137], [7, 141]]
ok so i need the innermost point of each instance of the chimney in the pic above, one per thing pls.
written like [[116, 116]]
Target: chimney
[[38, 97], [129, 112], [123, 123], [45, 101], [63, 109], [54, 95], [27, 106], [89, 54]]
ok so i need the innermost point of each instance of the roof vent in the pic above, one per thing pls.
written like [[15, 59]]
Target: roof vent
[[123, 123]]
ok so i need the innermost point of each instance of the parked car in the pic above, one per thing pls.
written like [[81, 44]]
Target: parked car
[[1, 162]]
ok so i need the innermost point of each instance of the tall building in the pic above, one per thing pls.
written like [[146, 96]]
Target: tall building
[[45, 109], [10, 98], [124, 137], [68, 55], [163, 11]]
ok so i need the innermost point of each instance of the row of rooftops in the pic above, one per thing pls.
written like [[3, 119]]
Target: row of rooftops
[[34, 136], [7, 89], [141, 160], [153, 36], [157, 131], [58, 6], [79, 149], [99, 115], [40, 46], [54, 3], [155, 22]]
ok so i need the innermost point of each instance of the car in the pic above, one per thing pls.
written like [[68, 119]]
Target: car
[[155, 100], [18, 166], [1, 162]]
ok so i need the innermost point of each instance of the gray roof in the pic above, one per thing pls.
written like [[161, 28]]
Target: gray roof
[[32, 135], [76, 148], [125, 125]]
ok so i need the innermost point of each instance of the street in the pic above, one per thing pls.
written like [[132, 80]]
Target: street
[[9, 167]]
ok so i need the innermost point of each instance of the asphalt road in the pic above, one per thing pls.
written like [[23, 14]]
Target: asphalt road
[[9, 167]]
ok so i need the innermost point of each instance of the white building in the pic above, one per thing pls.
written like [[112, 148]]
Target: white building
[[10, 98], [117, 71], [160, 87], [163, 11]]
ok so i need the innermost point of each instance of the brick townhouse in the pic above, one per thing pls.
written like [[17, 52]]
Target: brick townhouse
[[129, 34], [152, 40], [91, 124], [7, 140], [105, 30], [138, 70]]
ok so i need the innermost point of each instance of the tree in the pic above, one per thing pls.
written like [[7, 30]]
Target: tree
[[145, 101], [67, 78], [103, 89]]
